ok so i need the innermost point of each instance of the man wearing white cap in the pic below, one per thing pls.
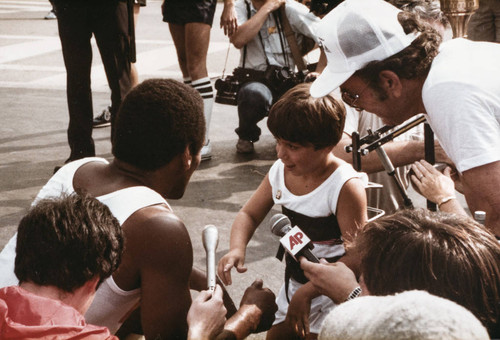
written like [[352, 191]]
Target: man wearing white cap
[[387, 62]]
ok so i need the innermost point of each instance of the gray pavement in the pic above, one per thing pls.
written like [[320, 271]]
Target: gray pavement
[[34, 119]]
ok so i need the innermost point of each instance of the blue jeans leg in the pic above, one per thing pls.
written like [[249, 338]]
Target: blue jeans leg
[[254, 101]]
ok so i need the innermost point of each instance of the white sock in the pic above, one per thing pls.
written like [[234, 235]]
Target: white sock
[[187, 80], [204, 87]]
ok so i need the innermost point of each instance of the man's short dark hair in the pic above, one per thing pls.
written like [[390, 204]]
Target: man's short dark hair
[[412, 62], [67, 241], [157, 120], [300, 118]]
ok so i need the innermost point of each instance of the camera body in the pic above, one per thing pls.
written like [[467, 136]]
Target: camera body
[[227, 90], [279, 80]]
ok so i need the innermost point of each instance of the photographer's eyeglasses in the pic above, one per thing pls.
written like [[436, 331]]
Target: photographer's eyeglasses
[[351, 99]]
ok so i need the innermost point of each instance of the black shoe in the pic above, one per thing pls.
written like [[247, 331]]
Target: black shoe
[[104, 119]]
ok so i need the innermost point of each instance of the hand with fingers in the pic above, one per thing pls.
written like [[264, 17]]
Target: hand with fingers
[[207, 315], [431, 183], [234, 258], [334, 280], [256, 313], [263, 299], [437, 187], [228, 19]]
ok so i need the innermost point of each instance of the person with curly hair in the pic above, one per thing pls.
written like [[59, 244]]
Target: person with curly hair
[[389, 62]]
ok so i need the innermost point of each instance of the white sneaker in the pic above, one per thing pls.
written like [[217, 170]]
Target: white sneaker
[[206, 151], [51, 15]]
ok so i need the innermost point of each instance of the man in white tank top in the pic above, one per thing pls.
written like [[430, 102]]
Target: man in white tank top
[[157, 138]]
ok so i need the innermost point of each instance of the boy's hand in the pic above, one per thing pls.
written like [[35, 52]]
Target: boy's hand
[[234, 258]]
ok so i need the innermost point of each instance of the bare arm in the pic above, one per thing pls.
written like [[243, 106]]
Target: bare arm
[[351, 215], [246, 222], [482, 192], [250, 28], [164, 258], [399, 152]]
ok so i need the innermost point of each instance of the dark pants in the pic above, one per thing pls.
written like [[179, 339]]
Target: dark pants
[[77, 21], [254, 101]]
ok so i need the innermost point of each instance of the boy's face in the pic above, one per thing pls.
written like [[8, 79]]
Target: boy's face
[[299, 159]]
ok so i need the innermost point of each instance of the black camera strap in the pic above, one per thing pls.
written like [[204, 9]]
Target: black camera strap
[[279, 25], [281, 33]]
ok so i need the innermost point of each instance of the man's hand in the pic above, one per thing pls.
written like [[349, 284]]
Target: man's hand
[[228, 19], [207, 315], [273, 5], [431, 183], [334, 280], [263, 299], [256, 313]]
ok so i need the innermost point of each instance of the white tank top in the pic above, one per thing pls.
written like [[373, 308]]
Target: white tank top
[[111, 305]]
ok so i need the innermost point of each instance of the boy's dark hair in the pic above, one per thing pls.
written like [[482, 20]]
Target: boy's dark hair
[[156, 121], [67, 241], [300, 118], [412, 62], [448, 255]]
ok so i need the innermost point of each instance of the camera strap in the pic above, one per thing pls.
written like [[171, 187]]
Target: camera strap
[[292, 41]]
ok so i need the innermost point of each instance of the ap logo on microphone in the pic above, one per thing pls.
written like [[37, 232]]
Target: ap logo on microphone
[[295, 240]]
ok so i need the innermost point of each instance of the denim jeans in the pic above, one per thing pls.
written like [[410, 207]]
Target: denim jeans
[[254, 101]]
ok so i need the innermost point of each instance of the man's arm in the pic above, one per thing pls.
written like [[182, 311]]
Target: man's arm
[[482, 192], [399, 152], [250, 28], [159, 248]]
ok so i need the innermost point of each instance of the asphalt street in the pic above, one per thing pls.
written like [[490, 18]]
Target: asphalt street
[[34, 119]]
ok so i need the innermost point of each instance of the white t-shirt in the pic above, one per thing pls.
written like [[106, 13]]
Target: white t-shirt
[[387, 198], [462, 98]]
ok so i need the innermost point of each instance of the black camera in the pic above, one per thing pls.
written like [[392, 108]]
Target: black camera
[[281, 79], [227, 90]]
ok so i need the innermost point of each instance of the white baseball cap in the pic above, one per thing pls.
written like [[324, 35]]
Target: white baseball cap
[[355, 33]]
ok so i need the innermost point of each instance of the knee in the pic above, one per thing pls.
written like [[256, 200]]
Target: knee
[[256, 93]]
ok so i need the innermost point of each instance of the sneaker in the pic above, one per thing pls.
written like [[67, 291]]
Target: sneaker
[[51, 15], [104, 119], [206, 151], [244, 146]]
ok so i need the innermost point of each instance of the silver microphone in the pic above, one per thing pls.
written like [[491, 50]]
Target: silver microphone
[[280, 224], [210, 238]]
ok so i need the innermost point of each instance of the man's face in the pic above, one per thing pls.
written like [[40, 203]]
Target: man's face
[[360, 95]]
